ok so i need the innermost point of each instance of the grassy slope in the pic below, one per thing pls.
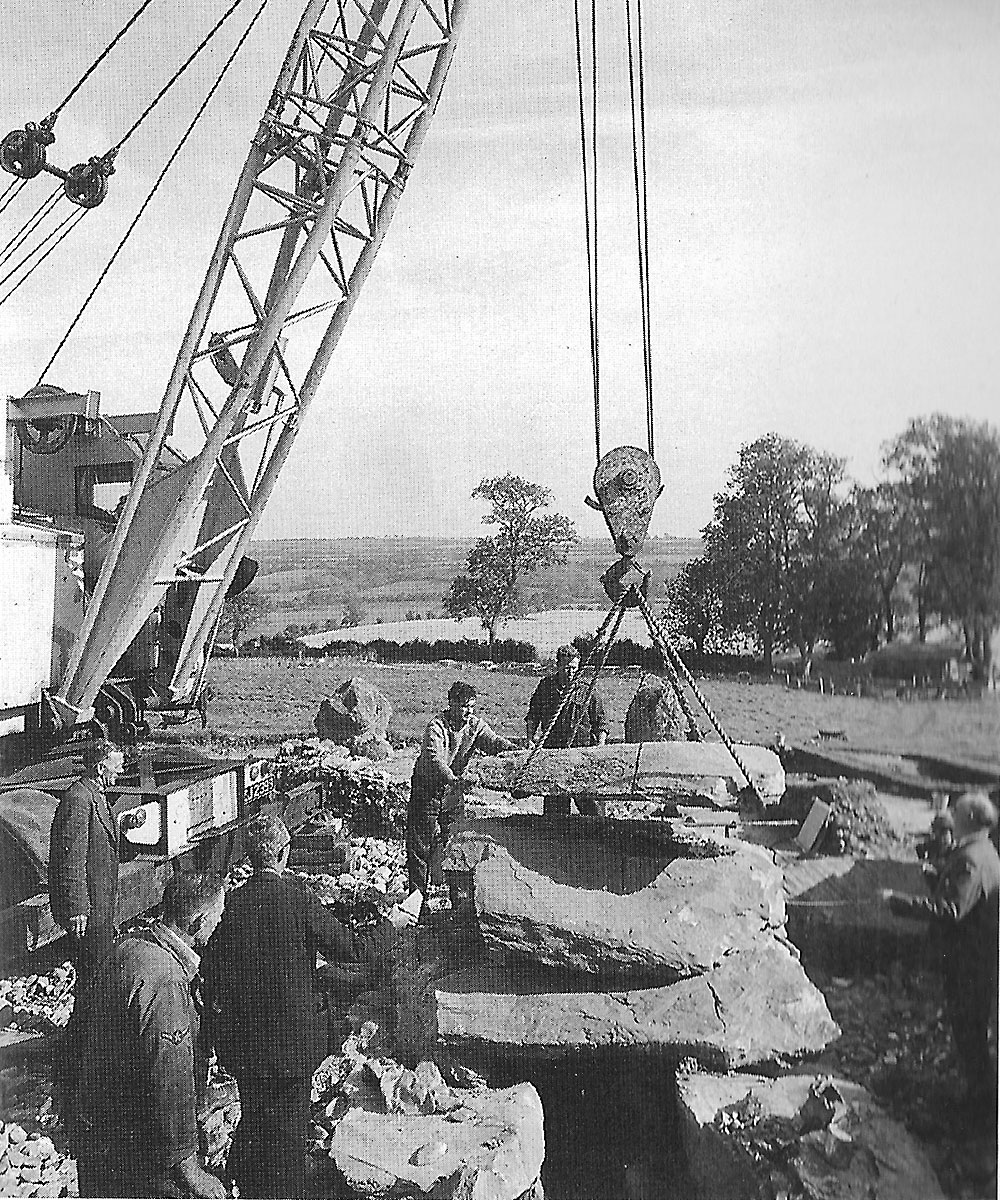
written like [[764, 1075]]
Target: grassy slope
[[262, 701], [309, 580]]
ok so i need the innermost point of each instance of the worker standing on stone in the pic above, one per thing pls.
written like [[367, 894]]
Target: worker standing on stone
[[142, 1067], [964, 907], [267, 1016], [83, 863], [587, 720], [440, 778]]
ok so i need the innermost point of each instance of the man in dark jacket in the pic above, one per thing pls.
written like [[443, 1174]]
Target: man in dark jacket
[[268, 1017], [964, 908], [83, 861], [577, 724], [439, 778], [141, 1070]]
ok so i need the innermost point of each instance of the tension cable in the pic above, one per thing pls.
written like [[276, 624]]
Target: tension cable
[[152, 191]]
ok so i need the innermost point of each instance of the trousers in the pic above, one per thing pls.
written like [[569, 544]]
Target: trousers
[[268, 1156]]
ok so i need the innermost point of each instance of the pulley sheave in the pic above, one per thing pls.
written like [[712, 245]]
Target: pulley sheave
[[627, 484]]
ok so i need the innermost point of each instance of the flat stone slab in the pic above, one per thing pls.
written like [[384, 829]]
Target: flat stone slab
[[861, 1152], [696, 911], [491, 1148], [689, 772], [758, 1006]]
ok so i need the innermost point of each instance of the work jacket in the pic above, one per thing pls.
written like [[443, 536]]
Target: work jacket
[[142, 1067], [446, 751], [589, 721], [267, 1013], [83, 856], [965, 904]]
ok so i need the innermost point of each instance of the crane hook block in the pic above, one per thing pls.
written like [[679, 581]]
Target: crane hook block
[[86, 184], [22, 151], [627, 483]]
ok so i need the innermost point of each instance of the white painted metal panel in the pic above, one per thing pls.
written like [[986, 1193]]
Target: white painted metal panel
[[27, 593]]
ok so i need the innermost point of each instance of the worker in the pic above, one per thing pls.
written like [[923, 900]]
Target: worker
[[580, 723], [143, 1069], [964, 907], [440, 779], [83, 863], [267, 1017]]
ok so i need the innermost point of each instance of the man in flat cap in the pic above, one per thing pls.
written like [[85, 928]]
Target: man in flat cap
[[581, 722]]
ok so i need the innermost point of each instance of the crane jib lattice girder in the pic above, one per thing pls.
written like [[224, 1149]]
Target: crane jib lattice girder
[[348, 115]]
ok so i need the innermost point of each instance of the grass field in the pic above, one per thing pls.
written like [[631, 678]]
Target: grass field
[[260, 702]]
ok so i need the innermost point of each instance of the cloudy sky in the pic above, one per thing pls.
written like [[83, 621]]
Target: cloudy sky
[[824, 191]]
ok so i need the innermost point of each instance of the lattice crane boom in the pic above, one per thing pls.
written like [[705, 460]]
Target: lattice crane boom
[[350, 110]]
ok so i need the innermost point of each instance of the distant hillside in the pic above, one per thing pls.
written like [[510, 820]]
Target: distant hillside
[[309, 581]]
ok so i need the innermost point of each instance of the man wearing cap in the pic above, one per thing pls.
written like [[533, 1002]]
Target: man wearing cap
[[964, 908], [586, 719], [83, 861], [439, 779]]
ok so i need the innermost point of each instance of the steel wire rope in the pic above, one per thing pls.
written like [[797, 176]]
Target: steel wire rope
[[14, 186], [71, 222], [658, 632], [598, 668], [31, 223], [591, 237], [97, 61], [177, 74], [522, 771], [159, 179], [637, 97]]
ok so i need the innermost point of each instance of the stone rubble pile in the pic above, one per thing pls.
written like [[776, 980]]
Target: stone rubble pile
[[859, 825], [374, 880], [392, 1131], [371, 797], [37, 1003], [800, 1136], [30, 1165]]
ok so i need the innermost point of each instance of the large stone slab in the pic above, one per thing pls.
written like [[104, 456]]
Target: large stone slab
[[491, 1148], [696, 911], [861, 1152], [758, 1006], [687, 772]]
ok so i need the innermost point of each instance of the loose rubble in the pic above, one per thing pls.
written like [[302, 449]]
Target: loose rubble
[[30, 1165], [372, 798], [37, 1003], [799, 1136], [859, 823]]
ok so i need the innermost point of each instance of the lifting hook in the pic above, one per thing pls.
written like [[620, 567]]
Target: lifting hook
[[627, 484]]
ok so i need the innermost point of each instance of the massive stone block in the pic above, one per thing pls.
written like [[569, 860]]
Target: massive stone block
[[491, 1148], [694, 912], [357, 716], [678, 772], [860, 1151], [756, 1007]]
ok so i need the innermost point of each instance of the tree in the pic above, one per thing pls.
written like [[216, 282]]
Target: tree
[[885, 531], [490, 588], [695, 604], [241, 611], [749, 541], [950, 470]]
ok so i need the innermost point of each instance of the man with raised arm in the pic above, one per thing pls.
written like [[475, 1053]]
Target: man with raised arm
[[440, 776]]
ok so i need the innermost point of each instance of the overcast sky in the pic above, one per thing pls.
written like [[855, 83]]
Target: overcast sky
[[823, 205]]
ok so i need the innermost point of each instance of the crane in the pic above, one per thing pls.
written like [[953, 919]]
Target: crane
[[348, 114]]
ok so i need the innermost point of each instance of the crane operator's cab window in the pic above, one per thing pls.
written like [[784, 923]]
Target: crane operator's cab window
[[101, 489]]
